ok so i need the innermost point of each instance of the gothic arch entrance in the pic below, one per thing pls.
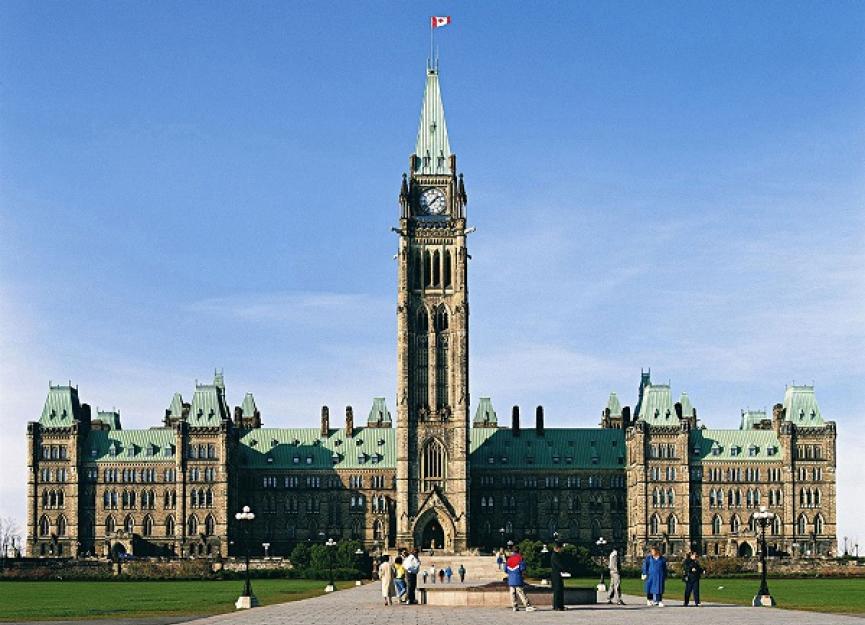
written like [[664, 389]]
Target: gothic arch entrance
[[745, 550], [433, 535]]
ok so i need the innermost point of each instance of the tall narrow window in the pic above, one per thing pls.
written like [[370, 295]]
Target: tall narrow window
[[654, 525], [433, 463], [109, 526], [147, 526], [442, 357], [416, 276], [44, 526], [419, 360], [129, 524], [427, 269], [209, 525], [672, 525], [446, 269], [169, 526], [191, 525], [716, 525], [436, 269]]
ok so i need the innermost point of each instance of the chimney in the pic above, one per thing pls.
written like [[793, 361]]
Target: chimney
[[325, 422], [349, 421], [777, 417], [678, 407], [539, 420], [626, 417], [515, 420]]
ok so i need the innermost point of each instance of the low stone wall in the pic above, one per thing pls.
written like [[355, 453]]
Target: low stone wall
[[496, 595], [155, 568]]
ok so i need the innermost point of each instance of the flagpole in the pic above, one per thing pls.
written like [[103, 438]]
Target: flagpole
[[431, 32]]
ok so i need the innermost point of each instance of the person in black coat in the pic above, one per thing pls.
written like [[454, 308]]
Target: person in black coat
[[558, 572], [692, 572]]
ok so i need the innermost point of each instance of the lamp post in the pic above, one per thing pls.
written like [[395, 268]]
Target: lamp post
[[502, 534], [247, 599], [331, 545], [846, 553], [602, 585], [266, 549], [763, 598], [358, 552]]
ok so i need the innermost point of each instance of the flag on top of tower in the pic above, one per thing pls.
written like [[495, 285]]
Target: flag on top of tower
[[439, 20]]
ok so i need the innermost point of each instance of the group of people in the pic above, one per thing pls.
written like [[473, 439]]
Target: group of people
[[654, 575], [399, 578]]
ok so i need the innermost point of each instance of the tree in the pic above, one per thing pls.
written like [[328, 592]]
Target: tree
[[10, 534]]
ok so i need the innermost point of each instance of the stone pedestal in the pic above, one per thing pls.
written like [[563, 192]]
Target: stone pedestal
[[245, 602], [763, 601], [329, 588]]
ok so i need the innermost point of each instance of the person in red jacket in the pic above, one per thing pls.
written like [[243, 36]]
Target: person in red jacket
[[514, 567]]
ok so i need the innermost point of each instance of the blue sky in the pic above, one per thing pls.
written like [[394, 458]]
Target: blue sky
[[676, 186]]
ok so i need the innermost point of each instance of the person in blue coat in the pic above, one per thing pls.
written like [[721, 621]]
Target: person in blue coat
[[654, 576]]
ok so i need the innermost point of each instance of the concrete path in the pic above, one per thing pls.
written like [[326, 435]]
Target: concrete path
[[363, 606]]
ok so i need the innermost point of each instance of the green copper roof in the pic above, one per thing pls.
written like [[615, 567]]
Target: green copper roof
[[248, 406], [656, 405], [485, 413], [558, 448], [61, 407], [111, 418], [176, 407], [801, 406], [687, 408], [752, 418], [740, 445], [303, 448], [155, 445], [208, 406], [432, 149], [614, 406], [379, 414]]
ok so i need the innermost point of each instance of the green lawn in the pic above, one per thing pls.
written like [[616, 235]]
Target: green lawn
[[58, 600], [841, 595]]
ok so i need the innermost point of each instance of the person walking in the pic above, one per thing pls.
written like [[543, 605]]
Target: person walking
[[692, 573], [386, 575], [514, 567], [462, 573], [399, 579], [654, 576], [425, 576], [412, 565], [449, 572], [432, 573], [558, 573], [500, 560], [615, 579]]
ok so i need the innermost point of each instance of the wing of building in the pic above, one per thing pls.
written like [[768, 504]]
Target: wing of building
[[438, 476]]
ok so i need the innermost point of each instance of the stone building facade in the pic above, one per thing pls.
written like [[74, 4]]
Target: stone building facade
[[433, 478]]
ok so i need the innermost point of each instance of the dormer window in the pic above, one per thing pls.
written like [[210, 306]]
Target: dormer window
[[491, 460], [358, 442], [274, 443], [295, 442], [594, 460], [269, 458], [93, 453], [697, 450], [253, 443], [813, 413], [667, 415], [296, 459], [569, 460], [380, 442], [556, 458], [166, 451], [801, 413], [309, 460], [504, 459], [716, 449], [361, 458], [337, 442], [753, 450], [770, 451], [334, 457]]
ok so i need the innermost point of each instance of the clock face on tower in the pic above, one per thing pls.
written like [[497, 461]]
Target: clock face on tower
[[432, 201]]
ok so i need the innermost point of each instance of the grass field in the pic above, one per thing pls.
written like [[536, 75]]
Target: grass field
[[57, 600], [841, 595]]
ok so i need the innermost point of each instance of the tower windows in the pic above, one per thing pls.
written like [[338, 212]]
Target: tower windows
[[448, 276], [416, 277], [436, 269], [420, 357], [433, 465], [427, 269], [442, 357], [44, 526]]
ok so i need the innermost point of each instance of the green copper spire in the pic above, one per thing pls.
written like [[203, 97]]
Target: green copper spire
[[433, 150]]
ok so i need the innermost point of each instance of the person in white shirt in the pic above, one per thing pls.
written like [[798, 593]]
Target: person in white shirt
[[412, 565]]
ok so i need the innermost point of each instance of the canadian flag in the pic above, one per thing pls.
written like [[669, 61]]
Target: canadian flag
[[437, 21]]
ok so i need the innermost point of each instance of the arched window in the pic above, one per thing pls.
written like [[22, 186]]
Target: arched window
[[129, 524], [776, 525], [44, 526], [654, 525], [209, 525], [442, 349], [191, 525], [416, 270], [436, 269], [194, 497], [169, 526], [734, 524], [420, 365], [433, 465], [448, 280], [208, 499], [147, 526], [816, 497], [716, 525], [656, 497], [377, 530], [44, 498], [109, 525], [802, 525], [61, 525], [818, 524], [672, 525], [671, 497]]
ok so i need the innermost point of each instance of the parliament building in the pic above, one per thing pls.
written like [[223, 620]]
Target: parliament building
[[434, 472]]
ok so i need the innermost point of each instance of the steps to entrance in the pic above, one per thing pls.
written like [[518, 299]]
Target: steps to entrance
[[478, 568]]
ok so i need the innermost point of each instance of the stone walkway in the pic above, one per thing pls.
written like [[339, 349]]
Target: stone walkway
[[362, 606]]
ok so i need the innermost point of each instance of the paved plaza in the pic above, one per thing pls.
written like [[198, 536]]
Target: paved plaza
[[363, 606]]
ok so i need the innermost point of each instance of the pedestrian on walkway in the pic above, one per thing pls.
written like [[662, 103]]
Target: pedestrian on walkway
[[412, 565], [692, 573], [425, 576], [514, 567], [654, 575], [462, 572], [449, 572], [399, 579], [441, 576], [500, 560], [615, 579], [558, 573], [386, 575]]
